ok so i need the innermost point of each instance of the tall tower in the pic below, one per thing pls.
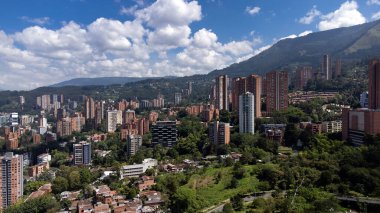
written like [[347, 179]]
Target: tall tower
[[277, 90], [326, 67], [11, 179], [246, 113], [374, 84], [89, 108], [221, 89], [254, 86]]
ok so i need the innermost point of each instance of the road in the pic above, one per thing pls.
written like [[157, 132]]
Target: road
[[264, 194]]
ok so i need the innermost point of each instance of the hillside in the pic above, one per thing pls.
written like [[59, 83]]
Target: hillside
[[349, 43], [101, 81]]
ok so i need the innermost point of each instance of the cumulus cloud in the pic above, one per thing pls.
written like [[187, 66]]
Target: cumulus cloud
[[157, 42], [347, 15], [310, 16], [252, 10], [170, 12], [371, 2]]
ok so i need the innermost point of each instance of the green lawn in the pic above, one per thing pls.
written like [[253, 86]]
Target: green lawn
[[210, 193]]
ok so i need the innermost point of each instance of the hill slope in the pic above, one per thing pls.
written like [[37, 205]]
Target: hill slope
[[349, 43], [102, 81]]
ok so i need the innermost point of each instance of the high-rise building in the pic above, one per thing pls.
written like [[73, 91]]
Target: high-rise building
[[129, 116], [177, 98], [254, 86], [277, 91], [219, 132], [11, 140], [242, 85], [374, 84], [45, 101], [338, 68], [359, 122], [13, 119], [326, 67], [164, 133], [303, 75], [64, 127], [99, 112], [221, 90], [89, 108], [364, 99], [246, 113], [112, 120], [134, 142], [190, 87], [82, 153], [12, 179]]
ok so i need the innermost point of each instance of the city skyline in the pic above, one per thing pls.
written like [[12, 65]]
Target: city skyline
[[54, 41]]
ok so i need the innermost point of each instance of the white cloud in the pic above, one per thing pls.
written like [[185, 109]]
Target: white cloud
[[347, 15], [129, 10], [157, 42], [376, 16], [252, 10], [371, 2], [170, 12], [310, 16], [37, 21], [292, 36], [305, 33]]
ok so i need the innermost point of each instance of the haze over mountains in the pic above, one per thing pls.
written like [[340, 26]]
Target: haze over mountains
[[101, 81], [349, 43]]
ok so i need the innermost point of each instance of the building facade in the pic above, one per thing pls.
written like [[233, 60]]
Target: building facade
[[11, 179], [134, 142], [277, 91], [164, 133], [82, 153], [219, 132], [247, 113], [221, 92]]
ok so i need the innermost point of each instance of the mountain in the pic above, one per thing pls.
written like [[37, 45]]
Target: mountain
[[102, 81], [348, 43]]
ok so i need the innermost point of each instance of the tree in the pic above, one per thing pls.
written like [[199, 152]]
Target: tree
[[237, 202], [60, 184], [224, 116], [184, 200], [228, 208], [85, 176], [291, 134], [74, 180]]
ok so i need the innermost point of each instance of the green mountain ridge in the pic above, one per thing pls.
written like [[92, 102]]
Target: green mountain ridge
[[348, 43]]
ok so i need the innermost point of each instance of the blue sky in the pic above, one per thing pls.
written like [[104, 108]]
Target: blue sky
[[47, 41]]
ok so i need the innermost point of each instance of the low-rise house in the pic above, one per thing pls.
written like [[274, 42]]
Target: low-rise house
[[43, 190], [70, 195], [36, 170], [146, 182], [104, 194], [101, 208], [151, 198]]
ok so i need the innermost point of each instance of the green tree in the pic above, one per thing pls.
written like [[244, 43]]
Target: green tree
[[237, 202], [60, 184]]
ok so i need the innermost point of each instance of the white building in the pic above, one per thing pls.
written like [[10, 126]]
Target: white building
[[332, 126], [247, 113], [136, 169], [114, 117], [43, 158]]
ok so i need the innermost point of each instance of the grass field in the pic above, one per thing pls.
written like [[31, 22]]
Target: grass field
[[209, 191]]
